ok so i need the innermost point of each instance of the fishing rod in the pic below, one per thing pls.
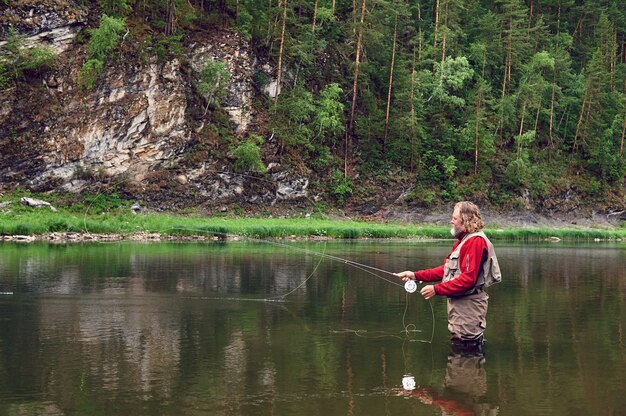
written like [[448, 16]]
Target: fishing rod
[[410, 286], [360, 266]]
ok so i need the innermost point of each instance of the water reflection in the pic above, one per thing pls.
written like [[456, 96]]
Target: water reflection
[[464, 389], [174, 329]]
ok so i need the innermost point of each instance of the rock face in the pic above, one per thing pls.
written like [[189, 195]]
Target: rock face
[[53, 23], [138, 123], [232, 50], [128, 125]]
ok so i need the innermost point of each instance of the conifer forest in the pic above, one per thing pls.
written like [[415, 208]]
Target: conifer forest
[[489, 99]]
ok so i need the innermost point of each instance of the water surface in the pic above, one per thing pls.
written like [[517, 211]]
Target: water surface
[[206, 329]]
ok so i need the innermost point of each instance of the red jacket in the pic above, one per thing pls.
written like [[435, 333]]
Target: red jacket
[[471, 258]]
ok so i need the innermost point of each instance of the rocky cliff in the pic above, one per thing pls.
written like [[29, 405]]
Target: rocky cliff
[[140, 127]]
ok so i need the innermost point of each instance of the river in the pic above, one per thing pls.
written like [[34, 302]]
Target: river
[[288, 328]]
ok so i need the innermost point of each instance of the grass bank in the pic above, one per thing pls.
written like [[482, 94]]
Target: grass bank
[[111, 215]]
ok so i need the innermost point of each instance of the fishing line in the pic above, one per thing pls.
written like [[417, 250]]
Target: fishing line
[[408, 330], [410, 286], [363, 267], [282, 297]]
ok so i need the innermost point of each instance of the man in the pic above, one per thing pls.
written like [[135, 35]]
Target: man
[[470, 265]]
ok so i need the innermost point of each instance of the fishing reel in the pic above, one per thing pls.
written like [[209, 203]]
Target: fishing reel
[[410, 286], [408, 381]]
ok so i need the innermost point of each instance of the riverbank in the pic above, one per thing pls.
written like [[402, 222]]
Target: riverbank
[[110, 218], [66, 226]]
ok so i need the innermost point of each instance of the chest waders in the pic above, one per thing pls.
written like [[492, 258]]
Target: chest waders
[[467, 312]]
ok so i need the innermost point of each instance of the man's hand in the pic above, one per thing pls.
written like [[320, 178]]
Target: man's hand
[[407, 275], [428, 292]]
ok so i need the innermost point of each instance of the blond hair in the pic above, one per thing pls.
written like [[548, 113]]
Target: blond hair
[[470, 216]]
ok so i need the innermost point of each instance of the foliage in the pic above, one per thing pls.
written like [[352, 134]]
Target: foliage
[[89, 72], [213, 83], [118, 8], [4, 76], [104, 40], [18, 60], [167, 47], [341, 187], [328, 114], [247, 156]]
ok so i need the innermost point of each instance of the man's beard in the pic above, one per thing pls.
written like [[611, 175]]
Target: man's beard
[[456, 233]]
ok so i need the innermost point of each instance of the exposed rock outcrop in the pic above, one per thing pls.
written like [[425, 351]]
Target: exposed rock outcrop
[[135, 125], [52, 23]]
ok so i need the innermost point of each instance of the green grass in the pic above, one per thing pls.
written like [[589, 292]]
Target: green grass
[[111, 215]]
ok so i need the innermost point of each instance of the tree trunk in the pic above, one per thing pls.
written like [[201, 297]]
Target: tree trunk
[[521, 123], [580, 119], [332, 10], [613, 55], [537, 118], [314, 16], [507, 59], [552, 110], [170, 18], [479, 96], [436, 24], [419, 34], [579, 24], [482, 72], [478, 100], [354, 17], [280, 55], [443, 43], [393, 58], [558, 31], [584, 135], [269, 22], [271, 39], [621, 148], [354, 86], [356, 64], [411, 95], [530, 17]]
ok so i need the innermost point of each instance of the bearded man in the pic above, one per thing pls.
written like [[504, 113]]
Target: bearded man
[[462, 276]]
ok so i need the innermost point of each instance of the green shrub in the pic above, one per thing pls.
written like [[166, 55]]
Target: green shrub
[[116, 7], [4, 77], [248, 156], [594, 187], [168, 47], [18, 59], [260, 79], [213, 83], [106, 38], [244, 23], [341, 186], [100, 203], [350, 233], [88, 74], [39, 59]]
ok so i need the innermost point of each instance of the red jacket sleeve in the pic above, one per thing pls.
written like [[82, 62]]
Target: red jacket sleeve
[[430, 275], [471, 257]]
